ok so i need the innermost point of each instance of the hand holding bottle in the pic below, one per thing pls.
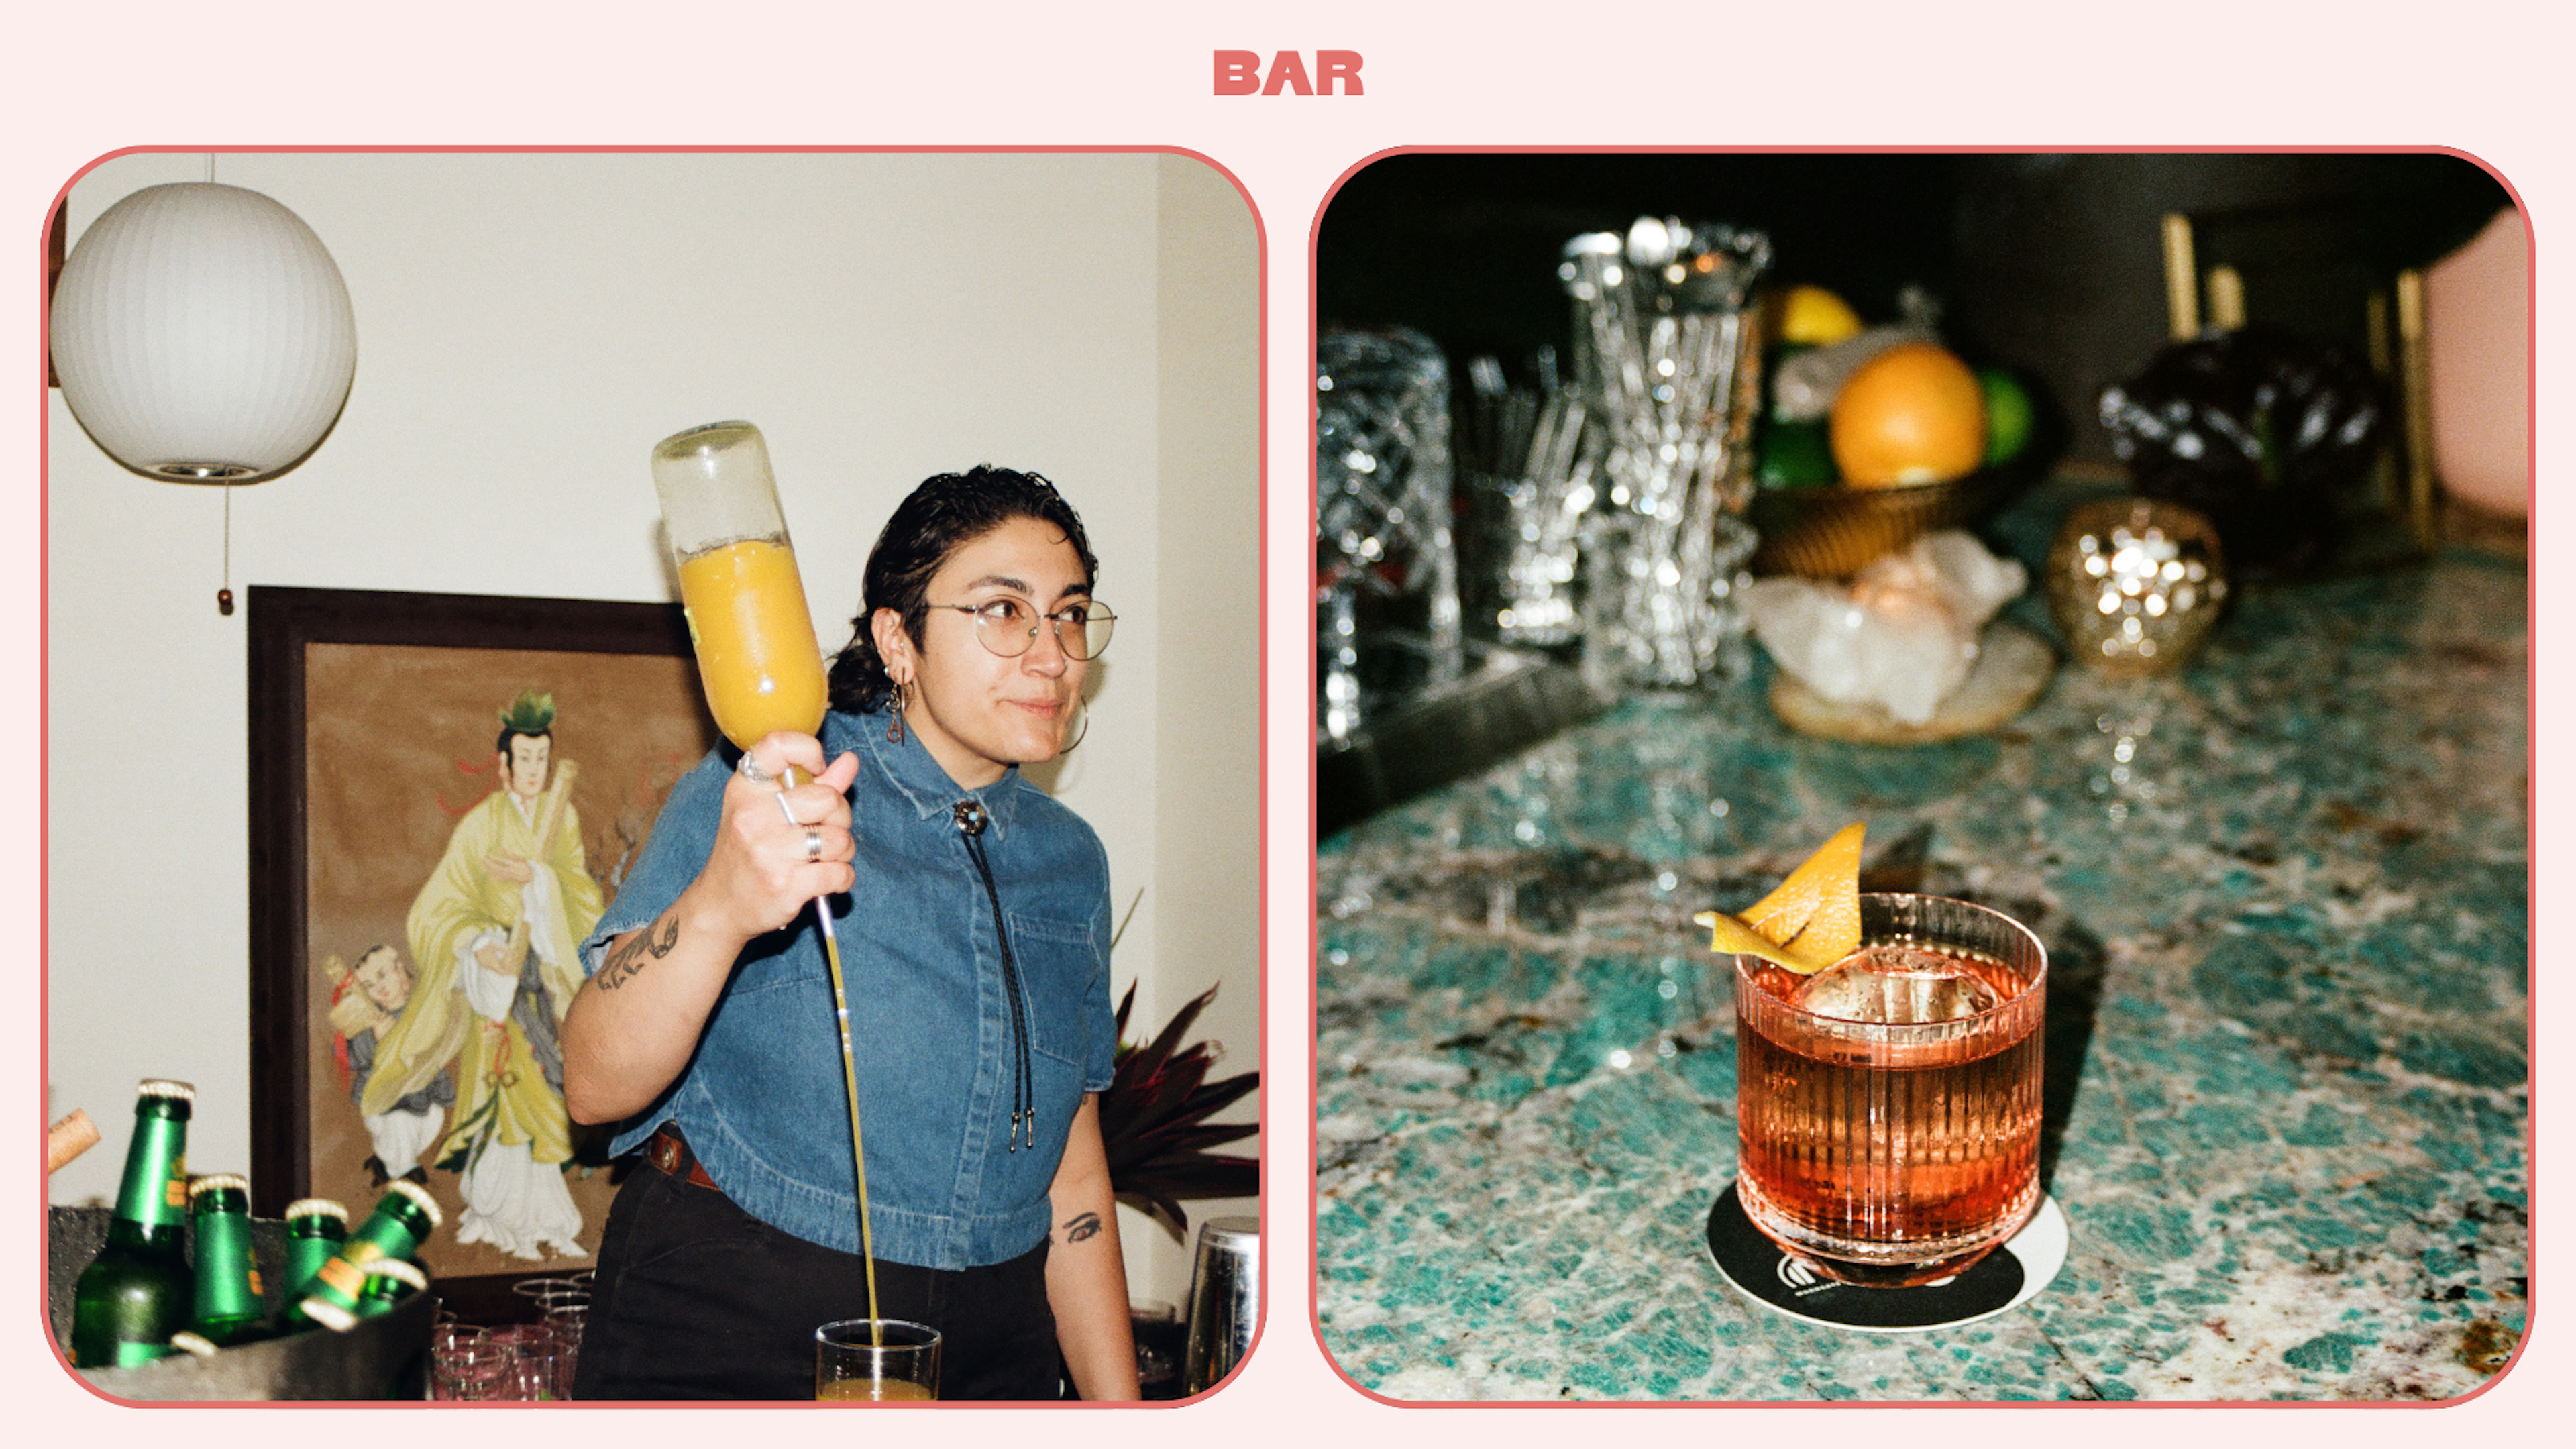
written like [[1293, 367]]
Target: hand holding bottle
[[779, 846]]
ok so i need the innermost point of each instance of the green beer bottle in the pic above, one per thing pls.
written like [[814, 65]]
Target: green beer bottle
[[403, 1217], [315, 1228], [137, 1291], [228, 1307], [389, 1281]]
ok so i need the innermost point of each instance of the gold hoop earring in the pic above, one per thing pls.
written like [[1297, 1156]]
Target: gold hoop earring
[[894, 727]]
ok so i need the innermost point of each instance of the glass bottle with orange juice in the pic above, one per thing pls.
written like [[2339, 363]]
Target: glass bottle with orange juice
[[738, 582]]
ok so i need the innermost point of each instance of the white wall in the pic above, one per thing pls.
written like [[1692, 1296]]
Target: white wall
[[1206, 891], [528, 326]]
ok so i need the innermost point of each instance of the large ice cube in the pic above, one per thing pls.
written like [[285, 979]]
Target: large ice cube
[[1897, 986]]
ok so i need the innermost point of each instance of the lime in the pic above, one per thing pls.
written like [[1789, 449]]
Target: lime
[[1794, 455], [2009, 415]]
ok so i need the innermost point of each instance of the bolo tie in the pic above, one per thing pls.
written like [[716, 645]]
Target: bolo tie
[[971, 820]]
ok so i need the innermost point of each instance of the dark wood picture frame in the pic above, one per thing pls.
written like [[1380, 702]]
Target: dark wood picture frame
[[283, 624]]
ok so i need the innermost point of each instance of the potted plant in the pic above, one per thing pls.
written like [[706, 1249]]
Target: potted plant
[[1153, 1121]]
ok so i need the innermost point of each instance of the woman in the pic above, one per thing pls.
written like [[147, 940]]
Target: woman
[[972, 914]]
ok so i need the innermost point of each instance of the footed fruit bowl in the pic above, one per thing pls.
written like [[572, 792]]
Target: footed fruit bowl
[[1829, 532]]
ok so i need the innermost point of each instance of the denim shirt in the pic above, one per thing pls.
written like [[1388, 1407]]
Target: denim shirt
[[762, 1102]]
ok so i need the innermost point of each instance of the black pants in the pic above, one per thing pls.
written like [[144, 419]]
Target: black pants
[[697, 1299]]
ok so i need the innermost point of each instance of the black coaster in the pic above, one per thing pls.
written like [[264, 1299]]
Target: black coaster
[[1786, 1283]]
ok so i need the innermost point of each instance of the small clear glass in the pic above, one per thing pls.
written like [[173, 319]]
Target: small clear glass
[[465, 1365], [875, 1361], [1386, 560]]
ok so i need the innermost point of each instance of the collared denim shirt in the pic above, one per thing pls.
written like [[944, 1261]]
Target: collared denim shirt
[[762, 1101]]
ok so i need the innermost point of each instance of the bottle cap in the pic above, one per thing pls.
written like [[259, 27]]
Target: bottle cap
[[208, 1182], [420, 1195], [408, 1274], [161, 1087], [329, 1314], [197, 1344], [316, 1207]]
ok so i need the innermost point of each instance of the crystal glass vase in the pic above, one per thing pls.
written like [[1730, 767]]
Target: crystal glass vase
[[1667, 356]]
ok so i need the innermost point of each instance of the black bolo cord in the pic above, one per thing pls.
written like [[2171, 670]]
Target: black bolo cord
[[1024, 1105]]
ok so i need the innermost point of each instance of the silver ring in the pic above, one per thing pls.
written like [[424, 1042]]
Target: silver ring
[[750, 771], [813, 845]]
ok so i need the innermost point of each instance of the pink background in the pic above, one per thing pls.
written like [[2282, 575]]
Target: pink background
[[2473, 74]]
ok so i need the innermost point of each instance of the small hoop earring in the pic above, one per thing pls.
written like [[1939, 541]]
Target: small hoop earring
[[1079, 735], [894, 727]]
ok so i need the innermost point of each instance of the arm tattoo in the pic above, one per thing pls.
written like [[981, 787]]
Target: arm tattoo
[[1082, 1228], [640, 950]]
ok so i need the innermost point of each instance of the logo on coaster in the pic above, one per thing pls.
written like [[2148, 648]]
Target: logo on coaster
[[1787, 1283], [1802, 1277]]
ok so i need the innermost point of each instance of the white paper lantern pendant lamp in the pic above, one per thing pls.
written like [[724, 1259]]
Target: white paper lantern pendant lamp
[[203, 334]]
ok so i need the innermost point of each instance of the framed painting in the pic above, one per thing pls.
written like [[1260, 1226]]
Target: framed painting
[[446, 790]]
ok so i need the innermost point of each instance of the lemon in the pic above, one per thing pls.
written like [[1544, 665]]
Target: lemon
[[1814, 316]]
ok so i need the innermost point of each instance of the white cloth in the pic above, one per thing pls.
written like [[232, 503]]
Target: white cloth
[[518, 1204], [487, 991], [399, 1138], [513, 1201], [550, 938]]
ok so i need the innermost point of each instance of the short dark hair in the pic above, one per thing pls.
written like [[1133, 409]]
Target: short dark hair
[[941, 516]]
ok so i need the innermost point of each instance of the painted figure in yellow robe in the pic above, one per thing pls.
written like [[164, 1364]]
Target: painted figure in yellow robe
[[492, 935]]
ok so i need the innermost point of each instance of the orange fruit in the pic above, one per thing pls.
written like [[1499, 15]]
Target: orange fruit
[[1808, 923], [1912, 414]]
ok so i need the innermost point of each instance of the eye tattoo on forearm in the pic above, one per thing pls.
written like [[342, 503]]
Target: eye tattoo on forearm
[[640, 950], [1084, 1227]]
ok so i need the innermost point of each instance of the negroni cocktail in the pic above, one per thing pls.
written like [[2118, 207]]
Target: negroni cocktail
[[1888, 1104]]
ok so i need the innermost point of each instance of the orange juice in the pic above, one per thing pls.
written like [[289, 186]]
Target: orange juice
[[755, 640], [867, 1391]]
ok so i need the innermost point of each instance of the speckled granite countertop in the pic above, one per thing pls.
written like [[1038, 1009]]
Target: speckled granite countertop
[[2285, 901]]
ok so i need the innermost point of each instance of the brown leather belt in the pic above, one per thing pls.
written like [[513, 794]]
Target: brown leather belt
[[669, 1153]]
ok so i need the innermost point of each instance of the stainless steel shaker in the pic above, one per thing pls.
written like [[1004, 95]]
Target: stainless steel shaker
[[1225, 1300]]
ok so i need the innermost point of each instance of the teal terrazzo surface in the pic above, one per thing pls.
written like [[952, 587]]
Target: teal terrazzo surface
[[2285, 900]]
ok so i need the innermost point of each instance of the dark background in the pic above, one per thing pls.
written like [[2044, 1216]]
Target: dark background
[[2048, 263]]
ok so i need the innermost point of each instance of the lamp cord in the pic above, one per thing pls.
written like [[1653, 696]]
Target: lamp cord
[[224, 595]]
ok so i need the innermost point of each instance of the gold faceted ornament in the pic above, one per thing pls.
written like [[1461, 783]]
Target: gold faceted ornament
[[2136, 584]]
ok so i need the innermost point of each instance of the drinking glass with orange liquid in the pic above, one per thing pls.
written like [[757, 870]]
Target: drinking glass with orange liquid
[[757, 656], [875, 1361], [1888, 1105]]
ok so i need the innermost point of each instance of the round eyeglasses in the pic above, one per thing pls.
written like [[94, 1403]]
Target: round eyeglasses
[[1008, 626]]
